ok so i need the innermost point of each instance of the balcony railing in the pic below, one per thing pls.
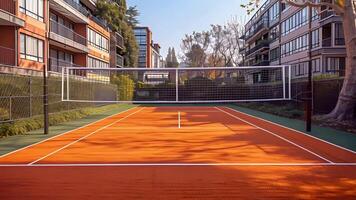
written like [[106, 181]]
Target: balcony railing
[[119, 61], [78, 7], [56, 65], [259, 62], [261, 25], [67, 33], [259, 45], [99, 21], [119, 40], [7, 56], [8, 6], [326, 42], [326, 13]]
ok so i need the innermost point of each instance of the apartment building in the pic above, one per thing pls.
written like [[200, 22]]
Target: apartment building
[[279, 34], [54, 33], [149, 52]]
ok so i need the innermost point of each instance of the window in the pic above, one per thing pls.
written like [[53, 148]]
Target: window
[[300, 69], [335, 64], [274, 12], [98, 41], [274, 33], [32, 8], [31, 48], [62, 21], [315, 14], [141, 39], [295, 21], [95, 63], [274, 54], [294, 46], [339, 34], [316, 65], [315, 38]]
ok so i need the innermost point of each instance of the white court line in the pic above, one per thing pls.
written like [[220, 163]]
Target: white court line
[[178, 164], [179, 120], [276, 135], [198, 111], [53, 137], [82, 138], [335, 145]]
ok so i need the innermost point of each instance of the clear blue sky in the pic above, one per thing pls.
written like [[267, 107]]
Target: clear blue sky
[[170, 20]]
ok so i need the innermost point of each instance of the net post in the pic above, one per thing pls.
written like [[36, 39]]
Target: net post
[[284, 81], [177, 82]]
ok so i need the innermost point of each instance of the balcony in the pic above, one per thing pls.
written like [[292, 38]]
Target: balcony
[[119, 61], [70, 9], [8, 14], [261, 25], [259, 62], [68, 37], [56, 65], [260, 45], [326, 42], [326, 13], [8, 6], [119, 40], [99, 21], [7, 56]]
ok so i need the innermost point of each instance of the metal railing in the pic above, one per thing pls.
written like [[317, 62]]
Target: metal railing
[[8, 6], [67, 33], [261, 25], [78, 7], [119, 60], [7, 56], [119, 40], [259, 45], [326, 13], [56, 65], [326, 42], [99, 21]]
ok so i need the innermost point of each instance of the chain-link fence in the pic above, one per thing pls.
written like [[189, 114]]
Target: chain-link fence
[[21, 93]]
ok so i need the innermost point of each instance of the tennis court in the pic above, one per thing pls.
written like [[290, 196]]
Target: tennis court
[[174, 152]]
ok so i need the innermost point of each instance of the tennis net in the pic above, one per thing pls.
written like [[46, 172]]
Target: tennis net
[[179, 85]]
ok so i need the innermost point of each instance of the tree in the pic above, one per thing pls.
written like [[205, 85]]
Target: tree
[[174, 60], [346, 105], [169, 57], [195, 48], [132, 14], [114, 12]]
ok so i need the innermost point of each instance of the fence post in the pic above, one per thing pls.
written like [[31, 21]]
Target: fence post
[[10, 108], [45, 100], [30, 95], [177, 83]]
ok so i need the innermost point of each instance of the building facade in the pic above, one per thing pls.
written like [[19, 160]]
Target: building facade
[[149, 52], [279, 34], [54, 33]]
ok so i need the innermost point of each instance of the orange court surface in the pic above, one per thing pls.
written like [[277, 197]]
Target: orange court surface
[[180, 152]]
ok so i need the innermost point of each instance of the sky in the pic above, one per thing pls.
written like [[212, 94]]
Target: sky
[[170, 20]]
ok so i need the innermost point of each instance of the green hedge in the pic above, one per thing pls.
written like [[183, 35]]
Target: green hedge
[[125, 87], [289, 110], [34, 123]]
